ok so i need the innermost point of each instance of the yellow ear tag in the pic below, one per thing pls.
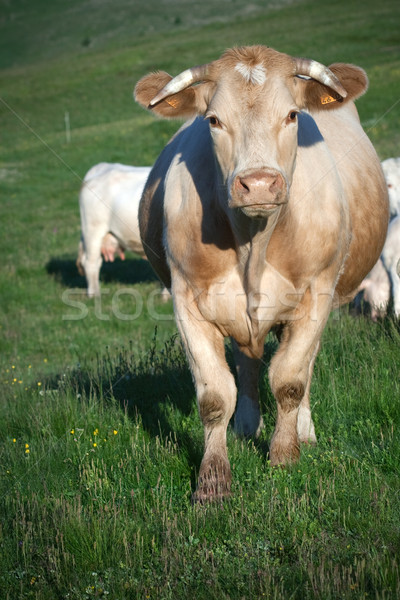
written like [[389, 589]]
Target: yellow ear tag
[[327, 99], [174, 102]]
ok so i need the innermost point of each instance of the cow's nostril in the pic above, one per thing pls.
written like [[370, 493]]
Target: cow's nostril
[[276, 184], [243, 185]]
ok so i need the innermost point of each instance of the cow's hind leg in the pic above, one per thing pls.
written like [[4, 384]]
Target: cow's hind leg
[[305, 425], [93, 261], [248, 419], [216, 396]]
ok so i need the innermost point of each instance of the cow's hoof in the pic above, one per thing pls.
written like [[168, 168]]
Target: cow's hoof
[[284, 452], [214, 484], [207, 496]]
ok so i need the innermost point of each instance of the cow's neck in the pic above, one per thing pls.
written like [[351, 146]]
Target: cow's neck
[[252, 238]]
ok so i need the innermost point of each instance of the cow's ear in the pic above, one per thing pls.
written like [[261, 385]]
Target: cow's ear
[[188, 103], [313, 95]]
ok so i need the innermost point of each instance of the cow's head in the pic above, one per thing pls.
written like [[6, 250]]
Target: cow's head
[[251, 97], [391, 170]]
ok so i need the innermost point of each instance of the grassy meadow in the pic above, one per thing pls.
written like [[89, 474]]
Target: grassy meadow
[[100, 440]]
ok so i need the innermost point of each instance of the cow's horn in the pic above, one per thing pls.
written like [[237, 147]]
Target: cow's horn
[[317, 71], [180, 82]]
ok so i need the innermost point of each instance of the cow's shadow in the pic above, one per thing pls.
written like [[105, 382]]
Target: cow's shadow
[[156, 389], [128, 271]]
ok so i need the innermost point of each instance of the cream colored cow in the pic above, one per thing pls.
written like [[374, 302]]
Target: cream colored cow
[[267, 208]]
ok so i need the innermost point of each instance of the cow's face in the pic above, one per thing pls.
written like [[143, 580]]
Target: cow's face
[[251, 98], [253, 124], [391, 170]]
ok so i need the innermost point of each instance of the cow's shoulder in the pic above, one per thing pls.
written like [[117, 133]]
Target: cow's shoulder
[[201, 244]]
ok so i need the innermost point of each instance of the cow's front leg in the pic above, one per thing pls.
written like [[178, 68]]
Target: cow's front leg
[[290, 378], [216, 395], [305, 425], [248, 419]]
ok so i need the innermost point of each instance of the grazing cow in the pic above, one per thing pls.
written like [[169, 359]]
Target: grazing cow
[[391, 170], [383, 280], [390, 258], [266, 210], [109, 201]]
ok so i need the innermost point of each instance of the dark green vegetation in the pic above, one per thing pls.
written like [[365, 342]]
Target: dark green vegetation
[[100, 437]]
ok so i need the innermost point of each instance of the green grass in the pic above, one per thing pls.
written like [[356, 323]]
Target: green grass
[[114, 520], [102, 498]]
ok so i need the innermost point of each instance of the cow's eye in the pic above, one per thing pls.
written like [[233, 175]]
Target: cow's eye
[[214, 122], [292, 116]]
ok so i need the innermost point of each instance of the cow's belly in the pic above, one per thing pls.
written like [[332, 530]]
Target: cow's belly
[[125, 227], [248, 315]]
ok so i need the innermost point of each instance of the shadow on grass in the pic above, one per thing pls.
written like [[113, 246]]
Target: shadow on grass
[[157, 389], [128, 271]]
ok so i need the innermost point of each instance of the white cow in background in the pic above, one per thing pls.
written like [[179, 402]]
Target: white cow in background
[[390, 257], [384, 277], [391, 170], [109, 200]]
